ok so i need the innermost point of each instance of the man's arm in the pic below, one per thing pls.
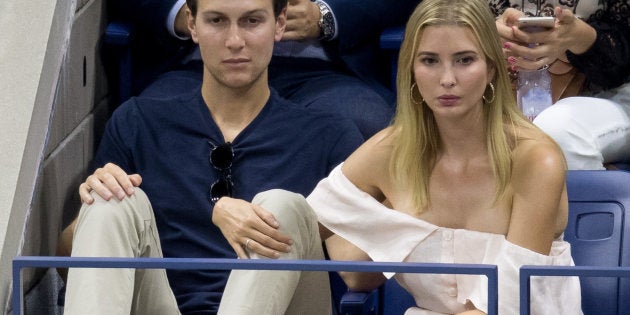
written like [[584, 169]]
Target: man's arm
[[355, 22], [361, 21], [151, 16], [64, 246], [179, 25], [302, 20], [109, 180]]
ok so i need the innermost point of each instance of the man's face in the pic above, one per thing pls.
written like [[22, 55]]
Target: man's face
[[236, 39]]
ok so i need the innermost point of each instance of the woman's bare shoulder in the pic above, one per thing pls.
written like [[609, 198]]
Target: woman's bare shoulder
[[537, 152], [376, 149], [368, 166]]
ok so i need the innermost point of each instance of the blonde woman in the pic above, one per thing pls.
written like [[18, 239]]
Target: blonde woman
[[459, 177]]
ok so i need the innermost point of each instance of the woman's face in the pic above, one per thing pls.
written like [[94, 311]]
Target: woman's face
[[451, 71]]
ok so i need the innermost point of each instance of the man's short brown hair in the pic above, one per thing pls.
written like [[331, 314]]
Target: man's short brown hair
[[278, 6]]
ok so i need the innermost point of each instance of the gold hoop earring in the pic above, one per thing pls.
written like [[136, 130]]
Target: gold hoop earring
[[413, 99], [484, 96]]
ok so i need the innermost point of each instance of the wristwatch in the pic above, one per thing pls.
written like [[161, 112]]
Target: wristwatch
[[326, 22]]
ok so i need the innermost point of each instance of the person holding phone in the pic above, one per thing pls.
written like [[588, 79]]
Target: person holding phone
[[592, 36]]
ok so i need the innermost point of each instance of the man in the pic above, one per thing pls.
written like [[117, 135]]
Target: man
[[327, 60], [197, 155]]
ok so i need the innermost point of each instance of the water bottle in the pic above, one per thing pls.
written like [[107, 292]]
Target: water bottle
[[534, 91]]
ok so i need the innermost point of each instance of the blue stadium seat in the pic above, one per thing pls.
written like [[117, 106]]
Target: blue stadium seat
[[117, 39], [390, 298], [599, 232], [396, 300], [390, 41]]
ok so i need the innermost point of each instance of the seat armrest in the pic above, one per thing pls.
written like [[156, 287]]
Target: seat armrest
[[359, 303], [118, 33], [118, 38]]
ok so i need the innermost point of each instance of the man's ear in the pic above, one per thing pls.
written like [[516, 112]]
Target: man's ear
[[281, 24], [190, 22]]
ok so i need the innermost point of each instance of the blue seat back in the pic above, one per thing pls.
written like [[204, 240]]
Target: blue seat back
[[395, 299], [390, 41], [597, 229]]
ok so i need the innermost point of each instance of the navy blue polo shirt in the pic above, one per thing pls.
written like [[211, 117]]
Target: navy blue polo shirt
[[168, 142]]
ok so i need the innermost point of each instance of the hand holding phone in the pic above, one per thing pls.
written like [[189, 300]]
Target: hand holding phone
[[532, 24]]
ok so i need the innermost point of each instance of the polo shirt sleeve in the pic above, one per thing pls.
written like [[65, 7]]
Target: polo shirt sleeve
[[116, 145]]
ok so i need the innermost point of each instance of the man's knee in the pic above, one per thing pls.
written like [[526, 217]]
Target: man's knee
[[290, 209], [297, 219], [130, 208]]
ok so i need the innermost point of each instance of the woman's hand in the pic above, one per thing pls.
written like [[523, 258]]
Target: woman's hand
[[506, 22], [535, 50], [471, 309], [247, 225], [108, 181]]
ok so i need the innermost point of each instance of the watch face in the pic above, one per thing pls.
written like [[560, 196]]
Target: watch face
[[328, 28], [326, 22]]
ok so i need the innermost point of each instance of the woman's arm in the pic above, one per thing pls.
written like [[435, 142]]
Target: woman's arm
[[539, 205], [599, 48], [607, 61], [535, 49], [340, 249], [366, 168]]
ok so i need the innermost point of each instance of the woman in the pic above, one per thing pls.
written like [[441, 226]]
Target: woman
[[594, 37], [461, 176]]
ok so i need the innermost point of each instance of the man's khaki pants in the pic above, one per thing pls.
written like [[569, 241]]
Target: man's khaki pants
[[127, 229]]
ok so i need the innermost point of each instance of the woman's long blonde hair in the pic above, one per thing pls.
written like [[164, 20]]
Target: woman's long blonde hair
[[416, 137]]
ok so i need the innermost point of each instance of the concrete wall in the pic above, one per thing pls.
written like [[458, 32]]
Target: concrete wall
[[53, 103]]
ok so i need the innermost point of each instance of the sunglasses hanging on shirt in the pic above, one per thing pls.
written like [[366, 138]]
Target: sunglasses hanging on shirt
[[221, 157]]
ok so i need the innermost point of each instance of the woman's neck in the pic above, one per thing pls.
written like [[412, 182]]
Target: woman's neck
[[463, 138]]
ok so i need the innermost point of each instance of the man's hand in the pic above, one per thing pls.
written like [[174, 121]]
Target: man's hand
[[247, 225], [302, 20], [181, 22], [108, 181]]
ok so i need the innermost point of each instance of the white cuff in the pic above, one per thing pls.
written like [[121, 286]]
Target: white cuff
[[170, 21]]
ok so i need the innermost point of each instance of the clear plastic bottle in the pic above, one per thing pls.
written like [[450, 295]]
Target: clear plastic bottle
[[534, 91]]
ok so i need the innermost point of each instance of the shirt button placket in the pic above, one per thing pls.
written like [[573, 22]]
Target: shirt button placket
[[448, 255]]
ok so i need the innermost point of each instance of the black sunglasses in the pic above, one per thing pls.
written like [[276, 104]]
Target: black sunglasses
[[221, 158]]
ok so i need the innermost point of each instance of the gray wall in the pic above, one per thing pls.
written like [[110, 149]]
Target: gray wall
[[53, 103]]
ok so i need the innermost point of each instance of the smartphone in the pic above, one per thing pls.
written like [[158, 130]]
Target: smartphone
[[532, 24]]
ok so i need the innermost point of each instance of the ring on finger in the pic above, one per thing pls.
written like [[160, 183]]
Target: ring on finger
[[247, 243]]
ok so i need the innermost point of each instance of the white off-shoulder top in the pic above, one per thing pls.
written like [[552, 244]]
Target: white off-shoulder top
[[388, 235]]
